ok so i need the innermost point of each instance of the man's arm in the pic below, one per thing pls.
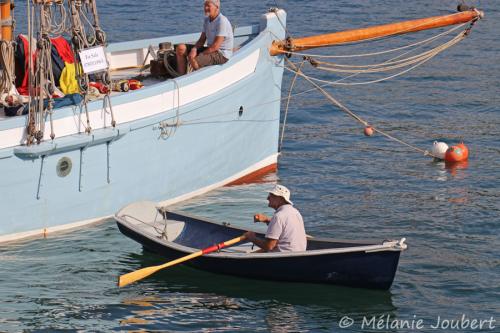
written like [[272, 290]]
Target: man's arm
[[215, 46], [201, 41], [266, 244], [261, 218], [199, 44]]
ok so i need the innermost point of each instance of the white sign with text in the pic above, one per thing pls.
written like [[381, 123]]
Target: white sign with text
[[93, 60]]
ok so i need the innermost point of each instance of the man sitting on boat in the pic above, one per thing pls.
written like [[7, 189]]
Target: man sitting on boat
[[285, 231], [217, 32]]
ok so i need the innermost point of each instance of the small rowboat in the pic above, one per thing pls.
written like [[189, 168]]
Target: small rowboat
[[172, 235]]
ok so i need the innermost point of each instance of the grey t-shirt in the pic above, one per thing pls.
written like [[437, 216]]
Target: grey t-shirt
[[287, 227], [220, 27]]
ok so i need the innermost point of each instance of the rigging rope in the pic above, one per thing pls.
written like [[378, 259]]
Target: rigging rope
[[390, 64], [52, 18], [288, 104], [167, 129], [355, 116], [416, 61]]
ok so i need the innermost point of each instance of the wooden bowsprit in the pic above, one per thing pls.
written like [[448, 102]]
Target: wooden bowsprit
[[140, 274], [349, 36]]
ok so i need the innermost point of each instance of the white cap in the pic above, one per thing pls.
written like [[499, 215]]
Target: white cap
[[282, 191]]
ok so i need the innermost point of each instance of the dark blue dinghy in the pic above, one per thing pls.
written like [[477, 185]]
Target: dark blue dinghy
[[172, 235]]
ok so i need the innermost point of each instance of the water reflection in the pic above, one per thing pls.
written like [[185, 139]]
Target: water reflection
[[281, 307], [283, 318], [456, 168]]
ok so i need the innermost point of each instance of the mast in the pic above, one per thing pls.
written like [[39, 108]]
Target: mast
[[342, 37], [6, 30]]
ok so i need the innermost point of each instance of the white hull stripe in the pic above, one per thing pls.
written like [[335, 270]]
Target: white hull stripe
[[144, 107]]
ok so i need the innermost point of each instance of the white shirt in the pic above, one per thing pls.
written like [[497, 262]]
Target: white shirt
[[220, 26], [287, 227]]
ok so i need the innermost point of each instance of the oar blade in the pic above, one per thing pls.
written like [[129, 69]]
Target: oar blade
[[140, 274], [134, 276]]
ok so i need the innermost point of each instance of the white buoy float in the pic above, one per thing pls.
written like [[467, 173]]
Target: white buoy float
[[439, 149]]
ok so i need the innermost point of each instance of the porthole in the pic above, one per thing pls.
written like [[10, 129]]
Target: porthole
[[64, 166]]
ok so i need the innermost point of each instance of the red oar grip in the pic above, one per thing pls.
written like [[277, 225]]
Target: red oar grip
[[212, 248]]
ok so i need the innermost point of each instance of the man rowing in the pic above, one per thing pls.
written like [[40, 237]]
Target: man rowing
[[285, 231], [217, 32]]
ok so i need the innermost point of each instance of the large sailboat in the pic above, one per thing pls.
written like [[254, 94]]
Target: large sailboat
[[69, 159]]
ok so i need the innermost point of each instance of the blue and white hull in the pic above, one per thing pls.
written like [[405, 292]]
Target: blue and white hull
[[173, 139]]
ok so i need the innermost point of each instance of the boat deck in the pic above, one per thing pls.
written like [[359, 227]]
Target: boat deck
[[121, 74], [126, 58], [135, 72]]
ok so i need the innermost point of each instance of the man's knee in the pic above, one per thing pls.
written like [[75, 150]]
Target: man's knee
[[210, 59], [181, 49]]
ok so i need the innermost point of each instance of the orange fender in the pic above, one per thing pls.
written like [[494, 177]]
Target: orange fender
[[101, 87], [135, 84]]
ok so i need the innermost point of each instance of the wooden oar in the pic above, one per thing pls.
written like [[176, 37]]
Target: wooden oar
[[132, 277]]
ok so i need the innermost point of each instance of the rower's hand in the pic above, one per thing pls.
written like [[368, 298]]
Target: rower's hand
[[250, 236], [193, 53], [261, 218]]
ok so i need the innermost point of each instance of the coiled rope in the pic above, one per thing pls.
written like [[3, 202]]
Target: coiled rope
[[7, 63]]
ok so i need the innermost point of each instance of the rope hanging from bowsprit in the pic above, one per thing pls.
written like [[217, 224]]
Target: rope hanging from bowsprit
[[368, 127], [395, 66], [402, 63]]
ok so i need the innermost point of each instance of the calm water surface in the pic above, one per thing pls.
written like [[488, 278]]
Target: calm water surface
[[346, 186]]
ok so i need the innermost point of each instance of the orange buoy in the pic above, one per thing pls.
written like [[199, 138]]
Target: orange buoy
[[369, 131], [465, 150], [457, 153]]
